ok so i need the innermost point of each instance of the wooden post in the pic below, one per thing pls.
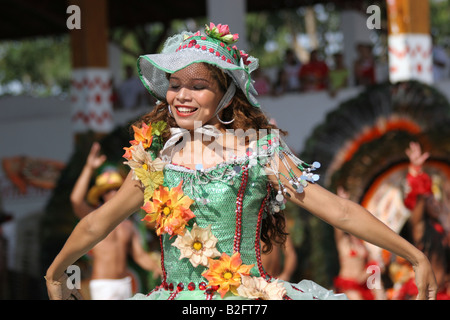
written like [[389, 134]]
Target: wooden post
[[410, 44], [91, 78]]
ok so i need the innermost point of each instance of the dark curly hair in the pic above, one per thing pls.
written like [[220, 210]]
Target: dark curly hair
[[245, 117]]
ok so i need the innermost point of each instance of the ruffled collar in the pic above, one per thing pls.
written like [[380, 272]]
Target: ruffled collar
[[179, 133]]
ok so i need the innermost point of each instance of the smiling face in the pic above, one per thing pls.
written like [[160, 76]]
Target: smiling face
[[194, 95]]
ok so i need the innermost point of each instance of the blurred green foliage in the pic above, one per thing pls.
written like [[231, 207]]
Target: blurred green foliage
[[36, 66]]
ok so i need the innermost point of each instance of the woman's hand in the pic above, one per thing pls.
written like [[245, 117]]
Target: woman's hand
[[425, 280], [58, 290]]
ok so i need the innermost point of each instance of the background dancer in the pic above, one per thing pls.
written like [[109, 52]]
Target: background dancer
[[110, 278], [211, 218]]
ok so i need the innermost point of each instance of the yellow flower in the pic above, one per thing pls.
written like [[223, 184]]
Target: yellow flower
[[170, 210], [226, 273], [148, 171], [198, 245], [259, 288], [150, 180]]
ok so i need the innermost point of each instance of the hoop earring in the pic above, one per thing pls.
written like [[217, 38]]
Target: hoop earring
[[170, 110], [224, 122]]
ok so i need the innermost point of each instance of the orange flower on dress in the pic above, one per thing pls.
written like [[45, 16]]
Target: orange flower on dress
[[141, 135], [226, 273], [170, 210]]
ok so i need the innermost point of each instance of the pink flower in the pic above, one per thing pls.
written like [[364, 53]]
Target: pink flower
[[223, 29], [221, 32], [244, 57]]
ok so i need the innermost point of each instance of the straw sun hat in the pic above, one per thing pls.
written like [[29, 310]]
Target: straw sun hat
[[214, 45], [109, 180]]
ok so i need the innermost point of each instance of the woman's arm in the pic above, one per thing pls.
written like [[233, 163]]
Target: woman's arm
[[77, 198], [350, 217], [354, 219], [95, 227]]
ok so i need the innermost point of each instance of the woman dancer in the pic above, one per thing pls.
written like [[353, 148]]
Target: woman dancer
[[213, 174]]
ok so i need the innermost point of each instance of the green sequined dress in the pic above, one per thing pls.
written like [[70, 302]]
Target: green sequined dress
[[232, 197]]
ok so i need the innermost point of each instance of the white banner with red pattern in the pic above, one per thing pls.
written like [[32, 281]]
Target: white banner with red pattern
[[91, 98], [410, 58]]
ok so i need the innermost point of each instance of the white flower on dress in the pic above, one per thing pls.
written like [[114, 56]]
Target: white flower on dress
[[259, 288], [197, 245], [141, 159]]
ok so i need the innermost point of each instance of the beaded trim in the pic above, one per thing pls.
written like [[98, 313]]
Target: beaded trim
[[262, 272], [239, 208], [181, 286], [162, 260], [181, 168], [209, 292], [212, 46]]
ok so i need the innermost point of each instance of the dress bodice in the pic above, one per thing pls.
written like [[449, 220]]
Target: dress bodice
[[229, 197], [209, 220]]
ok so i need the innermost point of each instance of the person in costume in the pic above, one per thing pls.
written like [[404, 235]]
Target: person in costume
[[425, 226], [214, 175], [354, 265], [110, 279]]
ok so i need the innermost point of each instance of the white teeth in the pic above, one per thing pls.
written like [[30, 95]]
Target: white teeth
[[185, 110]]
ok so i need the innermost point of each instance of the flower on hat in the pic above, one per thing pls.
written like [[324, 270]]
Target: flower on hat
[[153, 68], [245, 58], [226, 273], [170, 210], [221, 32], [197, 245], [259, 288]]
